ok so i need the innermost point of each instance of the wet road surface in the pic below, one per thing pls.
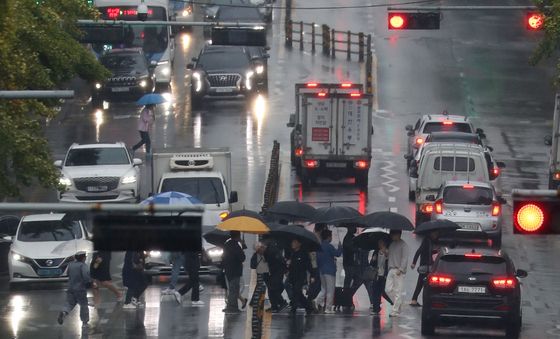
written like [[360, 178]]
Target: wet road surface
[[476, 65]]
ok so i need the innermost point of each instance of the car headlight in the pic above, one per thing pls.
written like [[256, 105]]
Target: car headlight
[[248, 82], [129, 179], [18, 257], [259, 69], [143, 83], [98, 85], [198, 81], [155, 254], [215, 252], [65, 181]]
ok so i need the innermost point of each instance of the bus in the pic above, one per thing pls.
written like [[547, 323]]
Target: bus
[[156, 41]]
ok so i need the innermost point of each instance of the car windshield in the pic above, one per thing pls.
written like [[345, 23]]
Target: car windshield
[[226, 59], [467, 196], [207, 190], [460, 264], [124, 62], [97, 156], [441, 127], [454, 164], [51, 230], [250, 14]]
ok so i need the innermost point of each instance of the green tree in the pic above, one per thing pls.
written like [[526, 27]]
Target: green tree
[[550, 44], [38, 50]]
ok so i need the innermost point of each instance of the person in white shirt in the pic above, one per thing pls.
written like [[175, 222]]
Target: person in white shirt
[[397, 265]]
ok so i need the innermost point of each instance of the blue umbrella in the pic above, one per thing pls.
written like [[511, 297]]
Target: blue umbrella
[[151, 99], [172, 198]]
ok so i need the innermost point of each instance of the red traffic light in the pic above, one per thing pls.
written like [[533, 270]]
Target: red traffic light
[[536, 211], [529, 218], [534, 21], [396, 21], [413, 20]]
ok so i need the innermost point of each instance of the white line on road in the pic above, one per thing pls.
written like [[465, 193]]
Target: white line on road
[[393, 209], [392, 199], [388, 176]]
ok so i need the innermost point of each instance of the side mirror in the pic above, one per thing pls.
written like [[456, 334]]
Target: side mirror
[[410, 133], [292, 122], [58, 163], [266, 56], [480, 133], [137, 162], [233, 197], [502, 200], [431, 197], [548, 140], [490, 148], [408, 156], [7, 238], [190, 66], [194, 59], [408, 127], [267, 48], [521, 274], [501, 164]]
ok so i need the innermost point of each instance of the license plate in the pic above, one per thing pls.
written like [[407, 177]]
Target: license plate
[[336, 164], [120, 89], [224, 90], [472, 289], [49, 272], [469, 226], [97, 188]]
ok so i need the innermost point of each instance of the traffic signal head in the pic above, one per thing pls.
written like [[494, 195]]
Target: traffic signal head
[[534, 21], [413, 20], [536, 212]]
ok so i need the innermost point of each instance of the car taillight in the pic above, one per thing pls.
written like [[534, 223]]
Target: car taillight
[[557, 176], [438, 206], [468, 187], [311, 163], [447, 122], [438, 280], [419, 141], [312, 84], [427, 208], [496, 209], [346, 85], [361, 164], [298, 152], [473, 255], [496, 172], [503, 283]]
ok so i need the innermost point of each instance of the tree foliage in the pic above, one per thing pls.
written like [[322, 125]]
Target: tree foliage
[[38, 50], [550, 44]]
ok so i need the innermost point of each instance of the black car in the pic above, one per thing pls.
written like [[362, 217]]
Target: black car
[[225, 72], [131, 77], [473, 285]]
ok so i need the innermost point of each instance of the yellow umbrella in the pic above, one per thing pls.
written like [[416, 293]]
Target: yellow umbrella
[[244, 224]]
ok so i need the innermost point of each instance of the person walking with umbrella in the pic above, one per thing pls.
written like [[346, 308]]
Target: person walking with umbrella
[[101, 275], [277, 268], [145, 122], [316, 287], [192, 266], [299, 266], [424, 252], [327, 267], [348, 256], [79, 281], [134, 278], [398, 262], [380, 264], [233, 259]]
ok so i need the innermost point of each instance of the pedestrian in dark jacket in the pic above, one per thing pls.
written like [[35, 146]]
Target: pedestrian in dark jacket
[[315, 287], [101, 275], [277, 268], [348, 253], [424, 252], [232, 262], [79, 281], [380, 264], [134, 278], [192, 266], [299, 266]]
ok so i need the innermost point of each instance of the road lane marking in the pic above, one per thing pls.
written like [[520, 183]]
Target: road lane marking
[[388, 176], [393, 209]]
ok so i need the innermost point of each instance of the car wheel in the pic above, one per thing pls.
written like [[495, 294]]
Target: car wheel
[[497, 241], [513, 328], [15, 286], [427, 326], [362, 180], [305, 178], [196, 102]]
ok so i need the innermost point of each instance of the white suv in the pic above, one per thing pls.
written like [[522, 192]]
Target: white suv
[[100, 173]]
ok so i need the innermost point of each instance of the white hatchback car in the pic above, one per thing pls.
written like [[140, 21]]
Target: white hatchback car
[[43, 247]]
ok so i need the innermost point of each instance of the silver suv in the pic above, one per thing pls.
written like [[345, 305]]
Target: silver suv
[[473, 205]]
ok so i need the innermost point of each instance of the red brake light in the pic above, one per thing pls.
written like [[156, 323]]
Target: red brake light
[[311, 163], [322, 94], [361, 164], [427, 208], [468, 187], [346, 85], [438, 206], [530, 218], [496, 171], [419, 141], [496, 209], [437, 280], [447, 122], [298, 152], [355, 95], [503, 282], [473, 255], [312, 84], [557, 176]]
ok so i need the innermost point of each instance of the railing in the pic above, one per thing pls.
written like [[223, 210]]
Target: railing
[[271, 186]]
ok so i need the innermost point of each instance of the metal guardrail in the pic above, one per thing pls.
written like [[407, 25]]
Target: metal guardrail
[[271, 185]]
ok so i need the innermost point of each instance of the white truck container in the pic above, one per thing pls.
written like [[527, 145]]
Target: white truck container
[[554, 141], [336, 136]]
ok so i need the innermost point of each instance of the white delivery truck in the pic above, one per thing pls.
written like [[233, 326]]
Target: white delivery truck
[[204, 174], [336, 136]]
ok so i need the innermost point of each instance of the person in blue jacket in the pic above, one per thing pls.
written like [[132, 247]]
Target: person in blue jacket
[[327, 267]]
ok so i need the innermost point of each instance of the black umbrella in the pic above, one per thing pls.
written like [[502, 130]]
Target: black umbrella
[[288, 232], [217, 237], [244, 213], [335, 215], [385, 219], [368, 239], [291, 210], [436, 225]]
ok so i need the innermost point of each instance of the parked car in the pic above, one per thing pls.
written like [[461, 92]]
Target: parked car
[[43, 247], [99, 172]]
